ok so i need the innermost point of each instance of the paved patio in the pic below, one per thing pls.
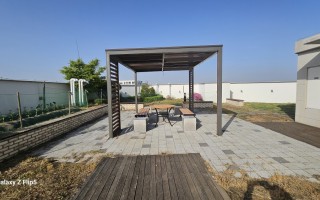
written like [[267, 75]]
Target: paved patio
[[255, 149]]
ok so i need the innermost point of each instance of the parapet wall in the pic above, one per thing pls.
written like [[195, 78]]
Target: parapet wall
[[46, 131]]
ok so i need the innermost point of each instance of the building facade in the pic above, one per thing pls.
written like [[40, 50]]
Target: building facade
[[308, 81]]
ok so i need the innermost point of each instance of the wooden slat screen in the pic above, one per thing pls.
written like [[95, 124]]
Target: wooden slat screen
[[116, 122]]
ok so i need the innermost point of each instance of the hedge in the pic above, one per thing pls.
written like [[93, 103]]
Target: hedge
[[154, 98]]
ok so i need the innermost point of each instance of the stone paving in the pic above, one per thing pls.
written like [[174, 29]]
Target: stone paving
[[259, 151]]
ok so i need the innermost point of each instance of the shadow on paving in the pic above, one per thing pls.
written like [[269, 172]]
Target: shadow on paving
[[301, 132]]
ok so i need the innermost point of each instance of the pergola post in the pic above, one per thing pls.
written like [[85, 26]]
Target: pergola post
[[219, 91], [109, 96], [136, 90], [191, 89]]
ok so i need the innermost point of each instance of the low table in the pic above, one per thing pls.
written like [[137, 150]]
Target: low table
[[164, 114]]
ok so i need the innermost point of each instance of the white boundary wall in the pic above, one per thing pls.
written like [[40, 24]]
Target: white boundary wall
[[30, 94], [270, 92], [284, 92]]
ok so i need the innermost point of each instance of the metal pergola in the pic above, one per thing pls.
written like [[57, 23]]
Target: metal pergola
[[158, 59]]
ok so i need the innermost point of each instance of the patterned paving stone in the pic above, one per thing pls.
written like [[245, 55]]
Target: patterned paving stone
[[284, 142], [203, 144], [146, 146], [249, 147], [228, 151], [180, 131], [280, 160]]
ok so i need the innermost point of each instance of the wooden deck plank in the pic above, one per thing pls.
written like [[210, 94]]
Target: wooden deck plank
[[139, 190], [187, 175], [122, 180], [195, 177], [98, 184], [208, 177], [152, 177], [203, 185], [159, 179], [153, 186], [147, 179], [183, 181], [181, 193], [135, 178], [114, 176], [164, 178], [127, 184], [172, 185], [92, 179], [105, 194], [106, 184]]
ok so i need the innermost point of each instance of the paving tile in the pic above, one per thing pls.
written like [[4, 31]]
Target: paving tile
[[280, 160], [228, 151], [203, 144], [146, 146], [180, 131], [284, 142], [233, 167], [248, 146]]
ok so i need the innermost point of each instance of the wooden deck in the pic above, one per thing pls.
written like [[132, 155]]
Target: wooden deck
[[182, 176]]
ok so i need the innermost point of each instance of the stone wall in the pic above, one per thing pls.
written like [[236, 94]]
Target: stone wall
[[46, 131], [200, 104]]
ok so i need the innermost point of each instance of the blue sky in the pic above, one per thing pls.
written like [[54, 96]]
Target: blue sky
[[37, 38]]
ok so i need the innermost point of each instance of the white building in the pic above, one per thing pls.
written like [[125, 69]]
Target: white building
[[127, 87], [308, 83]]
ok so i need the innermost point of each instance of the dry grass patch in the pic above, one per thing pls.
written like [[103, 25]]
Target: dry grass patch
[[262, 112], [53, 180], [276, 187]]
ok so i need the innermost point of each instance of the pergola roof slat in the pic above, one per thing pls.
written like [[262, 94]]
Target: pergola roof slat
[[163, 58]]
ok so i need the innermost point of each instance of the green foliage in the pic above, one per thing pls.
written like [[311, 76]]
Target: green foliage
[[100, 101], [127, 99], [147, 91], [153, 98], [90, 72]]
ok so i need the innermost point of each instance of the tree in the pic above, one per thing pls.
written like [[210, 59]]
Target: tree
[[90, 72], [147, 91]]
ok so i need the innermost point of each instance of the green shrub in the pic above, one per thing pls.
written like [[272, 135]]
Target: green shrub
[[127, 99], [154, 98], [100, 101]]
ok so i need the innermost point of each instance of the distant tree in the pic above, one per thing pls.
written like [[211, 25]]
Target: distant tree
[[90, 72], [147, 91]]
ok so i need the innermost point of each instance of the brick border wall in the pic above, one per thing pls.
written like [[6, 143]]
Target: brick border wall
[[200, 104], [32, 137]]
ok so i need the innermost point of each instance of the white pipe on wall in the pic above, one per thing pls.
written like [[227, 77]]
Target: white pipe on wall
[[72, 88]]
